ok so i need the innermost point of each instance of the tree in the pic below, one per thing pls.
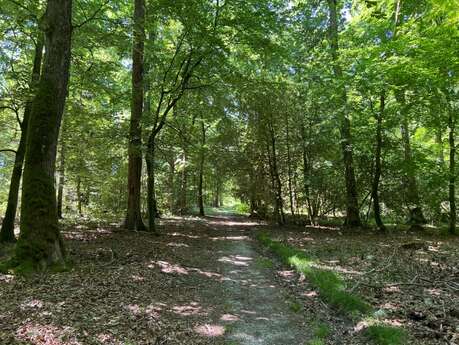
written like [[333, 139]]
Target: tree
[[352, 208], [7, 230], [133, 217], [40, 244]]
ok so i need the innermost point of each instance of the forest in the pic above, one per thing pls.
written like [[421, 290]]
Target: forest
[[277, 172]]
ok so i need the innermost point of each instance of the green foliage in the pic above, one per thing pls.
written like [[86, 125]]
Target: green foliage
[[242, 208]]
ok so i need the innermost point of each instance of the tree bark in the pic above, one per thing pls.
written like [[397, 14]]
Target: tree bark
[[60, 189], [377, 172], [151, 193], [7, 230], [306, 175], [134, 216], [452, 172], [201, 171], [352, 205], [183, 202], [289, 165], [171, 183], [40, 244], [275, 178]]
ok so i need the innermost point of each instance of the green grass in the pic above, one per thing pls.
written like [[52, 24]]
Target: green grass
[[295, 306], [387, 335], [332, 290], [321, 332], [264, 263], [329, 284]]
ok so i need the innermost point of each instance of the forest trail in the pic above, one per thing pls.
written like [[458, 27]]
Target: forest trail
[[203, 281], [249, 295]]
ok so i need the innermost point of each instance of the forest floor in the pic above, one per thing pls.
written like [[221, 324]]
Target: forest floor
[[209, 281]]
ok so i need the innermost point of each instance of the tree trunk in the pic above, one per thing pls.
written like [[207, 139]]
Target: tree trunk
[[216, 202], [416, 217], [60, 190], [452, 172], [377, 172], [289, 166], [171, 182], [201, 171], [7, 230], [134, 216], [40, 243], [306, 175], [352, 206], [183, 202], [151, 194], [276, 182], [79, 198]]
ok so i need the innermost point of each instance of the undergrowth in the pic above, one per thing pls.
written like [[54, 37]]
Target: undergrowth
[[330, 286], [332, 290]]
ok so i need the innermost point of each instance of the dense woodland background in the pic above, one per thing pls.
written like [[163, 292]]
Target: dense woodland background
[[293, 111]]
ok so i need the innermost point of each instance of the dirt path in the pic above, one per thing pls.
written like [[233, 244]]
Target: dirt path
[[202, 282], [251, 297]]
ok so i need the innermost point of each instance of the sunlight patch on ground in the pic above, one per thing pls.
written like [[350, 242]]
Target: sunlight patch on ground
[[32, 304], [37, 334], [176, 244], [231, 238], [151, 311], [169, 268], [166, 267], [6, 278], [189, 309], [175, 234], [229, 317], [210, 330], [236, 260]]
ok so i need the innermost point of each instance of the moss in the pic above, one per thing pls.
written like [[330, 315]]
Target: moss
[[387, 335]]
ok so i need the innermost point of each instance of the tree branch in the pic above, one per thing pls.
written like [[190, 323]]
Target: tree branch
[[9, 150], [92, 17], [32, 14]]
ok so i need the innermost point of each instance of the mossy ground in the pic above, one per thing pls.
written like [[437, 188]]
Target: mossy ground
[[332, 289], [330, 286]]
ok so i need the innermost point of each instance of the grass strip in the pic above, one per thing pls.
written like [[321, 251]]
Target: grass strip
[[332, 290]]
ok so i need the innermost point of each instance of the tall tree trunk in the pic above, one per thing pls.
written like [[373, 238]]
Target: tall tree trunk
[[416, 217], [452, 172], [151, 193], [441, 168], [377, 172], [352, 205], [79, 197], [40, 243], [134, 216], [217, 194], [183, 202], [7, 230], [171, 183], [289, 165], [306, 175], [201, 171], [276, 182], [60, 189]]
